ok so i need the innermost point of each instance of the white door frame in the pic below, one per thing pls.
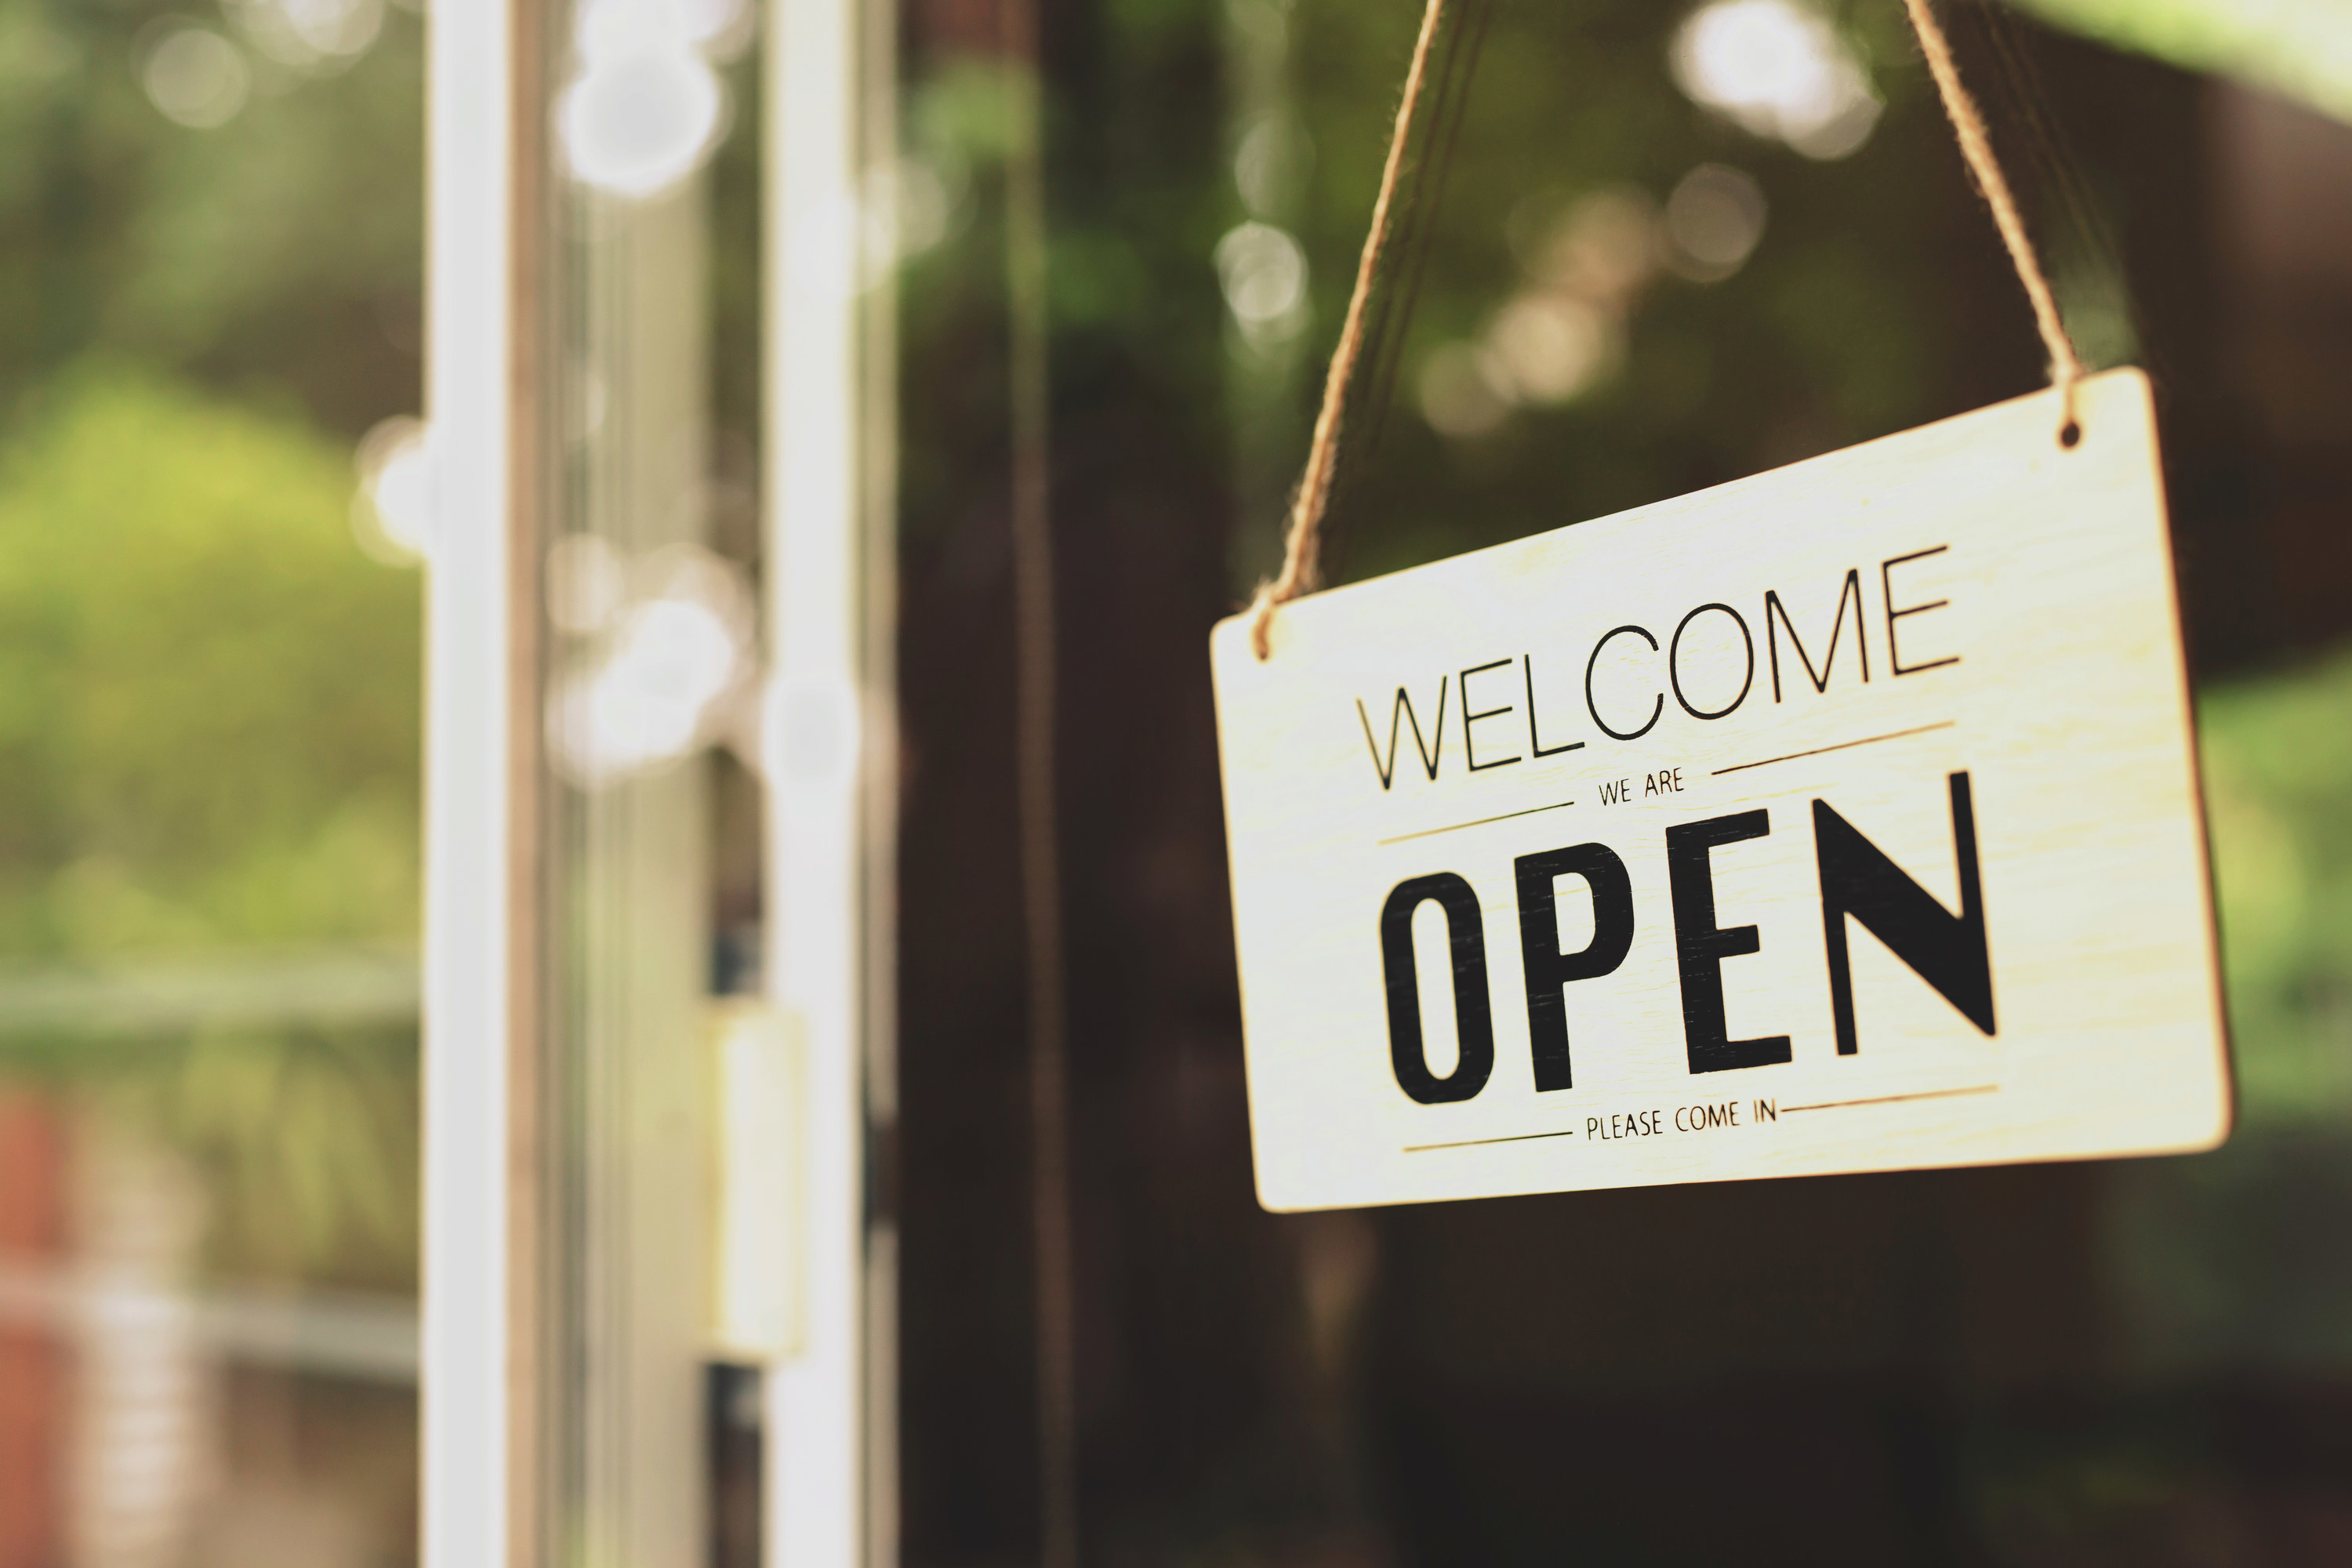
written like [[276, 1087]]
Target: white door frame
[[831, 768], [482, 1387], [830, 1407]]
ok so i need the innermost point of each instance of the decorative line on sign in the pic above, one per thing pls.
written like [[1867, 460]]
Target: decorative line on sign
[[1455, 826], [1474, 1143], [1841, 746], [1897, 1098]]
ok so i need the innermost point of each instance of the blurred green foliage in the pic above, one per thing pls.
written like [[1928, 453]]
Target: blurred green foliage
[[278, 256], [310, 1139], [209, 735], [2299, 48], [2278, 776], [209, 697], [2223, 1259]]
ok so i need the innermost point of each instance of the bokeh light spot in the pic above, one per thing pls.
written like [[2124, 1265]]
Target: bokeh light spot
[[193, 76], [1714, 219], [1777, 69]]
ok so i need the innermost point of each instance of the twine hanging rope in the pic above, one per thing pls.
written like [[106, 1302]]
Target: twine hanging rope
[[1302, 545], [1976, 146]]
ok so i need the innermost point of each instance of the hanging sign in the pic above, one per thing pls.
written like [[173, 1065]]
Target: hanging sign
[[1843, 818]]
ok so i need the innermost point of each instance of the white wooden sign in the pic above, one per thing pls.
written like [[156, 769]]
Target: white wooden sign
[[1843, 818]]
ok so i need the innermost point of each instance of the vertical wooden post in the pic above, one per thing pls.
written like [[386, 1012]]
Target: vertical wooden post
[[486, 158], [828, 723]]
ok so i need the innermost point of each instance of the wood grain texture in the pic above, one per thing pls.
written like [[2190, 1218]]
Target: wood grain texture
[[2014, 603]]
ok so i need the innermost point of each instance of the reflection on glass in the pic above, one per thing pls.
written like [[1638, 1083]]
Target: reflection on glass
[[1672, 246]]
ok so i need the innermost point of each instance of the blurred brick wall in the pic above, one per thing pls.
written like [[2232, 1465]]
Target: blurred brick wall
[[32, 1375]]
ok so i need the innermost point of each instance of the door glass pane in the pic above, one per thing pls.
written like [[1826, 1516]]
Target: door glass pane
[[1646, 249], [649, 804], [209, 650]]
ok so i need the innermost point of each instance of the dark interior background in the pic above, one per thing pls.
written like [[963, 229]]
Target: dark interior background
[[1953, 1367]]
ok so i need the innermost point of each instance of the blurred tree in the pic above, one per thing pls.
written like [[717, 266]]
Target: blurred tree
[[209, 737], [210, 282], [268, 241], [2278, 769], [208, 697]]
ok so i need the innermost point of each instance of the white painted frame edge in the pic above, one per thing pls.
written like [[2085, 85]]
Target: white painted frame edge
[[479, 1395], [828, 732]]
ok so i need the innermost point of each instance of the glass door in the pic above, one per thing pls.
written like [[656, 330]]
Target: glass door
[[736, 1240], [1645, 248], [657, 726]]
